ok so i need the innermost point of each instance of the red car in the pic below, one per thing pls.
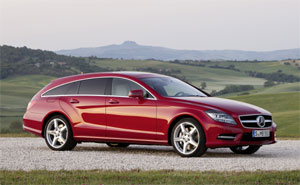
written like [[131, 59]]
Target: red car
[[122, 108]]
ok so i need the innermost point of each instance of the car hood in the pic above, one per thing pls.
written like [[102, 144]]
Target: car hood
[[226, 105]]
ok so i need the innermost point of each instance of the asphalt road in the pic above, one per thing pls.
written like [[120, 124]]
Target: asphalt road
[[33, 154]]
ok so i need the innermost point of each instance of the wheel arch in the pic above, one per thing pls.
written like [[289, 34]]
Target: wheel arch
[[50, 115], [178, 118]]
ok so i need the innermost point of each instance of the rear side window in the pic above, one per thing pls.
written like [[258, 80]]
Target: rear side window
[[93, 86], [70, 88]]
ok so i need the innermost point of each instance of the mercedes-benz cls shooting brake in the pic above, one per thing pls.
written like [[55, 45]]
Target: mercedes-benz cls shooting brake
[[122, 108]]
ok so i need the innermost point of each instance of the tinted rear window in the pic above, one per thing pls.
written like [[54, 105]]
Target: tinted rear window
[[70, 88], [93, 86]]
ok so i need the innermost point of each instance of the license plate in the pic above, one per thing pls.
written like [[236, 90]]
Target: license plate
[[260, 133]]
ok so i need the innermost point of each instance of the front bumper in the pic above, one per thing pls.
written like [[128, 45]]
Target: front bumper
[[236, 135]]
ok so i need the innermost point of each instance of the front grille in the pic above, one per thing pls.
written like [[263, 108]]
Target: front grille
[[248, 137], [249, 121]]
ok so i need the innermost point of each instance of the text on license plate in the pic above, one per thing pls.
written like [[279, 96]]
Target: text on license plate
[[260, 133]]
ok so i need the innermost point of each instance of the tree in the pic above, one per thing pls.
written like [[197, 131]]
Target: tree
[[203, 85], [213, 93], [269, 83], [233, 88]]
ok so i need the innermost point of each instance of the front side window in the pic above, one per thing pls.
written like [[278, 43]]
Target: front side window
[[94, 86], [70, 88], [172, 87], [121, 87]]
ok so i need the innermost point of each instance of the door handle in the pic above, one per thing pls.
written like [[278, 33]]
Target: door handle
[[74, 101], [113, 101]]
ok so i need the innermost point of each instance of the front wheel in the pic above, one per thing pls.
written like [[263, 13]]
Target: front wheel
[[58, 134], [188, 138], [245, 149]]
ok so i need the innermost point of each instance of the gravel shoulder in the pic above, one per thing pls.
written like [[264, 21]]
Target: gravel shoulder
[[33, 154]]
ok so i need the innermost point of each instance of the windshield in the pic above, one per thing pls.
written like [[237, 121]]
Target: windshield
[[172, 87]]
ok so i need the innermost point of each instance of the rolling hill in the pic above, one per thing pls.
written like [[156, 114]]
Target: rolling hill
[[27, 71], [285, 108], [132, 50], [281, 100]]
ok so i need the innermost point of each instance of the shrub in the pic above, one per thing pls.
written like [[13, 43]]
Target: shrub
[[15, 126], [269, 83], [233, 88]]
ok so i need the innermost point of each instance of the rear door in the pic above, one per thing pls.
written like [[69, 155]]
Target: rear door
[[87, 108], [130, 118]]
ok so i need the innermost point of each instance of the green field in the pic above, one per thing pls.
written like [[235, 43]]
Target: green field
[[17, 91], [280, 88], [216, 79], [264, 67], [287, 87], [284, 107], [149, 177]]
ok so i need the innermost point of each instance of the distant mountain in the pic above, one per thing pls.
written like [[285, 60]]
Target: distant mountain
[[132, 50]]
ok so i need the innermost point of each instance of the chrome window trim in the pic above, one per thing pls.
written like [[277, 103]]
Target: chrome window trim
[[255, 128], [154, 98]]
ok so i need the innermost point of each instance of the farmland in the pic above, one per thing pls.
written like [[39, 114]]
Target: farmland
[[19, 84], [282, 100], [284, 107]]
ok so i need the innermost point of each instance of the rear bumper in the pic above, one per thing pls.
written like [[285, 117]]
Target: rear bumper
[[238, 137], [34, 124]]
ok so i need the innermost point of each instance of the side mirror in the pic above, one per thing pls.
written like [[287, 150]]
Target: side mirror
[[136, 94]]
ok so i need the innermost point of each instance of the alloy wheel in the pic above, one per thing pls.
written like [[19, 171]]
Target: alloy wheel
[[57, 133], [186, 138]]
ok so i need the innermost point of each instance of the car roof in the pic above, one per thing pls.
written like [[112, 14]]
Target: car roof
[[126, 74]]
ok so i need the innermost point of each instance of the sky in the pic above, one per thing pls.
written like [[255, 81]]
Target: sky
[[257, 25]]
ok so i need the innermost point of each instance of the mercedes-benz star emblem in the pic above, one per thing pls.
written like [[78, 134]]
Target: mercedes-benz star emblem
[[260, 121]]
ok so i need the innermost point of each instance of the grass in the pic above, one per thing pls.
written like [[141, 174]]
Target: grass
[[287, 87], [216, 79], [263, 67], [149, 177], [279, 88], [17, 91], [285, 108]]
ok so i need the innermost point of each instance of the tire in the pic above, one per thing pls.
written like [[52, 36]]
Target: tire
[[245, 149], [118, 145], [58, 134], [188, 138]]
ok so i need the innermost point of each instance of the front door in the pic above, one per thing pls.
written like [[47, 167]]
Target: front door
[[130, 118]]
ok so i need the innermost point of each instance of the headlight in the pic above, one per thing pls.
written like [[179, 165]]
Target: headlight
[[220, 116]]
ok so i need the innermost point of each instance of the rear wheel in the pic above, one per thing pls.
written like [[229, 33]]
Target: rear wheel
[[120, 145], [188, 138], [245, 149], [58, 134]]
